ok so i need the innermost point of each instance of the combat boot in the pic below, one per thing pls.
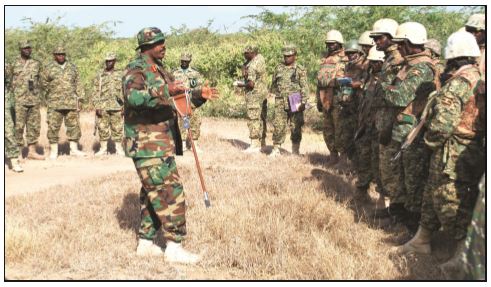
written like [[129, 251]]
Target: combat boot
[[102, 150], [53, 154], [296, 148], [16, 165], [453, 269], [175, 253], [146, 248], [263, 144], [342, 162], [333, 158], [33, 154], [420, 243], [74, 149], [276, 151], [119, 149], [255, 146]]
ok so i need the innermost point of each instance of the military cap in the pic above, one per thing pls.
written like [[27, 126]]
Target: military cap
[[148, 36], [110, 56], [289, 50], [251, 49], [186, 56], [24, 44], [59, 50]]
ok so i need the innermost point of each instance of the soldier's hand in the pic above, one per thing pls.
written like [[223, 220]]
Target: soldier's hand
[[209, 93], [176, 88], [356, 84], [301, 107]]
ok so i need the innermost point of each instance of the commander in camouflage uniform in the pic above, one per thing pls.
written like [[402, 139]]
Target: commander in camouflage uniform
[[191, 79], [288, 78], [256, 87], [25, 85], [108, 102], [151, 138], [455, 132], [64, 93], [11, 148]]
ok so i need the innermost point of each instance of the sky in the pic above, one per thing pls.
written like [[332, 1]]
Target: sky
[[133, 18]]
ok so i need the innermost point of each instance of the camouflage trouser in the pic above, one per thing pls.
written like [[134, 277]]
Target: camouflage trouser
[[328, 130], [344, 131], [447, 202], [415, 161], [11, 148], [194, 125], [283, 118], [55, 118], [391, 173], [367, 153], [257, 108], [30, 118], [110, 125], [161, 198]]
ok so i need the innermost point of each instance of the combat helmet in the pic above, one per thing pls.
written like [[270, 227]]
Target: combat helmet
[[149, 36], [375, 55], [434, 46], [334, 36], [384, 26], [413, 32], [461, 44], [477, 21], [353, 47], [365, 39]]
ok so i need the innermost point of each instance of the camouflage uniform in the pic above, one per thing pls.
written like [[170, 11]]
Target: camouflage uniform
[[455, 133], [390, 172], [25, 85], [11, 148], [108, 99], [256, 99], [414, 82], [331, 67], [286, 81], [151, 138], [63, 90], [191, 79]]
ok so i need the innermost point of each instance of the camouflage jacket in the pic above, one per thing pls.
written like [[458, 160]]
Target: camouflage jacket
[[368, 105], [150, 119], [108, 94], [256, 72], [25, 81], [191, 78], [454, 127], [63, 87], [288, 80], [331, 67], [409, 92]]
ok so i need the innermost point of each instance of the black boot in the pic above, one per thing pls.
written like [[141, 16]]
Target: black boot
[[398, 212]]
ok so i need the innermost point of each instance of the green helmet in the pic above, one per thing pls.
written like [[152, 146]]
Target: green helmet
[[148, 36], [353, 47]]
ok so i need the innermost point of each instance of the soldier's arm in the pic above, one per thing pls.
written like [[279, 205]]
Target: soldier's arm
[[304, 86], [403, 93], [274, 87], [79, 87]]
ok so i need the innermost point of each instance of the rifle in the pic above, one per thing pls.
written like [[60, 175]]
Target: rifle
[[417, 129]]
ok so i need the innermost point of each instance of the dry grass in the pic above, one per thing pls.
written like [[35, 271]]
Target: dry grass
[[282, 218]]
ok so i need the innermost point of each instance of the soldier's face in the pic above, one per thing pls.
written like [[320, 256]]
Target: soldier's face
[[157, 50], [110, 64], [479, 35], [60, 58], [353, 56], [403, 48], [289, 59], [333, 46], [376, 66], [185, 64], [382, 42], [248, 55], [26, 52]]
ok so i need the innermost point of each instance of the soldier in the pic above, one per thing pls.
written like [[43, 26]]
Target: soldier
[[25, 73], [455, 131], [64, 93], [408, 95], [255, 78], [476, 25], [11, 148], [151, 139], [108, 102], [366, 139], [383, 32], [191, 79], [289, 82], [436, 51], [332, 67]]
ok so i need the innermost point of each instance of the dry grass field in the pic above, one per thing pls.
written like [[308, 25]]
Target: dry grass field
[[284, 218]]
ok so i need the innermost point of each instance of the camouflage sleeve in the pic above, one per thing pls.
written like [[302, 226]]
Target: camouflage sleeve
[[447, 111], [79, 86], [199, 79], [404, 93], [45, 79], [139, 96], [94, 91]]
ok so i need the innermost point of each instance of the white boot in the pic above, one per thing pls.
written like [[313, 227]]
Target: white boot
[[175, 253], [74, 149], [53, 151], [420, 243], [276, 151], [146, 247], [102, 150], [16, 165], [119, 149], [255, 146]]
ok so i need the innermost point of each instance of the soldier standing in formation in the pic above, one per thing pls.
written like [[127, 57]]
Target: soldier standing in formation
[[436, 51], [64, 93], [11, 148], [289, 78], [256, 87], [25, 85], [151, 139], [191, 79], [331, 67], [476, 25], [108, 102]]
